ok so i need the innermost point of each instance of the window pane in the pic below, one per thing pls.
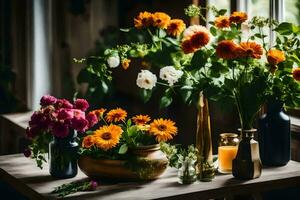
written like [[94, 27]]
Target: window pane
[[258, 8], [219, 4], [292, 11]]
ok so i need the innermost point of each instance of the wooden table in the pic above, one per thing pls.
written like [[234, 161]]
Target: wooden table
[[22, 174]]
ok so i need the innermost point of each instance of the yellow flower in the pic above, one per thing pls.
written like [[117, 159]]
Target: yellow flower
[[125, 63], [88, 141], [99, 112], [238, 17], [116, 115], [144, 19], [175, 27], [163, 129], [275, 56], [141, 119], [107, 137], [222, 22], [161, 20]]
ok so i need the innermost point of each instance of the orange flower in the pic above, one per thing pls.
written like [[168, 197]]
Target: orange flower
[[161, 20], [88, 141], [116, 115], [199, 39], [275, 56], [222, 22], [141, 119], [125, 63], [99, 112], [226, 49], [296, 74], [250, 49], [187, 47], [144, 19], [163, 129], [175, 27], [238, 17], [107, 137]]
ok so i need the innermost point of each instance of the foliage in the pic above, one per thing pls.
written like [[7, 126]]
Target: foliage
[[73, 187]]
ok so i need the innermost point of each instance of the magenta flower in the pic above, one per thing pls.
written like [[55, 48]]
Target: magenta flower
[[47, 100], [39, 119], [32, 132], [63, 103], [93, 185], [92, 119], [81, 104], [80, 124], [64, 114], [27, 152], [60, 130], [78, 113]]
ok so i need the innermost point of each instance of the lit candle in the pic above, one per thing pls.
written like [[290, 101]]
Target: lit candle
[[227, 150]]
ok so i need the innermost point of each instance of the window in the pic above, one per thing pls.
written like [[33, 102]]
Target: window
[[292, 11], [258, 8]]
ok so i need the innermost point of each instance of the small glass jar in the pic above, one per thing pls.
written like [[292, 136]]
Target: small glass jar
[[187, 172], [227, 150]]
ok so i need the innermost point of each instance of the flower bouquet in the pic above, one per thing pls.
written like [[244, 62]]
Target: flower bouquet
[[53, 129], [125, 148]]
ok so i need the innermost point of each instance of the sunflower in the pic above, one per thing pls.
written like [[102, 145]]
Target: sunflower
[[144, 19], [141, 119], [226, 49], [238, 17], [222, 22], [296, 74], [275, 56], [125, 63], [116, 115], [161, 20], [175, 27], [250, 49], [163, 129], [88, 141], [187, 47], [107, 137], [99, 112]]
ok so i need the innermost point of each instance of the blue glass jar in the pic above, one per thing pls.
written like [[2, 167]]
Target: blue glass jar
[[63, 156], [274, 136]]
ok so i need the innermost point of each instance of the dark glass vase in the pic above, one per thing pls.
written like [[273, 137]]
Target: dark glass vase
[[63, 156], [247, 164], [274, 136]]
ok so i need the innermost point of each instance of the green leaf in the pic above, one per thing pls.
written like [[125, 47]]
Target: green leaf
[[129, 122], [123, 149], [146, 95], [213, 31], [222, 12], [285, 28], [165, 101], [132, 131], [162, 33], [125, 30], [199, 59], [104, 87]]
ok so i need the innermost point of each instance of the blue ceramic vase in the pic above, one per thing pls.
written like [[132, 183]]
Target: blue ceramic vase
[[274, 135], [63, 156]]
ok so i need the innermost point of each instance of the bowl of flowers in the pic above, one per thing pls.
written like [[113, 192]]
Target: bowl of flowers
[[125, 148]]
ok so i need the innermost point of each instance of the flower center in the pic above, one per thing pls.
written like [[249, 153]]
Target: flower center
[[106, 136], [147, 81], [162, 127]]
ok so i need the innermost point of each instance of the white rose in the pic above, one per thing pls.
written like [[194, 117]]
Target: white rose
[[146, 79], [170, 74], [113, 61]]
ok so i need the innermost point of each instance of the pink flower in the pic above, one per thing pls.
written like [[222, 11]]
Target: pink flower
[[81, 104], [63, 103], [60, 130], [47, 100], [39, 119], [32, 132], [93, 185], [78, 113], [92, 119], [80, 124], [27, 152], [65, 113]]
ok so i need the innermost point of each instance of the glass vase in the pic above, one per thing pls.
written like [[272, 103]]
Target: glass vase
[[274, 136], [187, 172], [63, 156], [247, 164]]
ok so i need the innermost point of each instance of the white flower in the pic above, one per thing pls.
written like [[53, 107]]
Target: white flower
[[170, 74], [113, 61], [146, 79], [191, 30]]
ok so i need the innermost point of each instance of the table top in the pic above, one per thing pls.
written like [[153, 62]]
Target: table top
[[26, 178]]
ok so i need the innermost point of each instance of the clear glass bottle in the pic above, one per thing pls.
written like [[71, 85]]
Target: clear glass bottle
[[227, 150], [187, 172]]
